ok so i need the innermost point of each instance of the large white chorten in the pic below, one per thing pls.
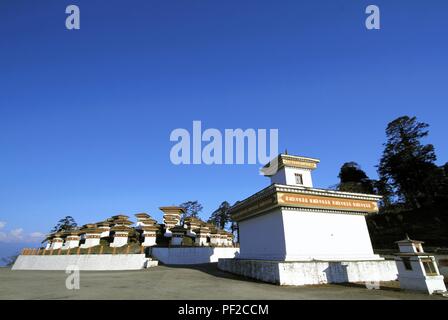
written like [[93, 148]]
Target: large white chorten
[[291, 221]]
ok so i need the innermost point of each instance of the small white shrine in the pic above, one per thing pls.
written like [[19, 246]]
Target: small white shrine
[[56, 242], [71, 240], [91, 236], [171, 218], [418, 270], [148, 228]]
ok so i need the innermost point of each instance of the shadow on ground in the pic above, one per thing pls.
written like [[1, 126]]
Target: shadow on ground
[[212, 269], [387, 286]]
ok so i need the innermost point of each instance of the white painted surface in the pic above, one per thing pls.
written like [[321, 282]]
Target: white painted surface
[[427, 285], [299, 235], [311, 273], [262, 237], [191, 233], [84, 262], [416, 278], [119, 242], [71, 244], [287, 176], [149, 241], [56, 245], [105, 233], [91, 242], [201, 240], [326, 236], [215, 240], [192, 255]]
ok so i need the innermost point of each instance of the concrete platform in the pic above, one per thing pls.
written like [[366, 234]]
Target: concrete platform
[[299, 273], [104, 262], [193, 255], [200, 282]]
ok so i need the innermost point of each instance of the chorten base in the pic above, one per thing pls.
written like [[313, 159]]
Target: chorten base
[[298, 273]]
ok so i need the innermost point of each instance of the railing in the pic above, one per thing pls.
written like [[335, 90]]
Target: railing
[[102, 249], [79, 251]]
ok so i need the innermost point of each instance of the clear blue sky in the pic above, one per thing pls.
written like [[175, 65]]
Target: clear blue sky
[[85, 116]]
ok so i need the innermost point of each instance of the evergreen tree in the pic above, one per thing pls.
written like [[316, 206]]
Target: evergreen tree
[[221, 216], [192, 209], [354, 179], [382, 188], [407, 165], [65, 224]]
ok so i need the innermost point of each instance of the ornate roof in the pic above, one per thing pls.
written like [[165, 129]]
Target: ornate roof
[[142, 215], [286, 160]]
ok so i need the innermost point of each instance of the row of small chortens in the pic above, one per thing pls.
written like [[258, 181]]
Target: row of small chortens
[[119, 228]]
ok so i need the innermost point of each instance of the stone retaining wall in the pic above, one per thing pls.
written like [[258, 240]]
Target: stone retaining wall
[[193, 255], [312, 272], [106, 262]]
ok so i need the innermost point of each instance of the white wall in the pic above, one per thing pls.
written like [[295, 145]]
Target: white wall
[[84, 262], [312, 273], [262, 237], [286, 175], [326, 236], [416, 278], [294, 235], [192, 255]]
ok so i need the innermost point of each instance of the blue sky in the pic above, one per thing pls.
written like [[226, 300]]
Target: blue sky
[[86, 115]]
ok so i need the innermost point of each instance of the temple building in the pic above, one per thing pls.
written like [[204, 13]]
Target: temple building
[[291, 221]]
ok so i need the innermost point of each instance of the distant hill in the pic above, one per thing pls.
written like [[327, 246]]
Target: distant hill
[[10, 249]]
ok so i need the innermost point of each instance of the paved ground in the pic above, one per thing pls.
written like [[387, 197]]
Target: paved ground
[[173, 282]]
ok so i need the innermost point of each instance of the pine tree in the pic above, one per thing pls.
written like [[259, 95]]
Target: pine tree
[[221, 216], [354, 179], [407, 165], [65, 224], [192, 209]]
